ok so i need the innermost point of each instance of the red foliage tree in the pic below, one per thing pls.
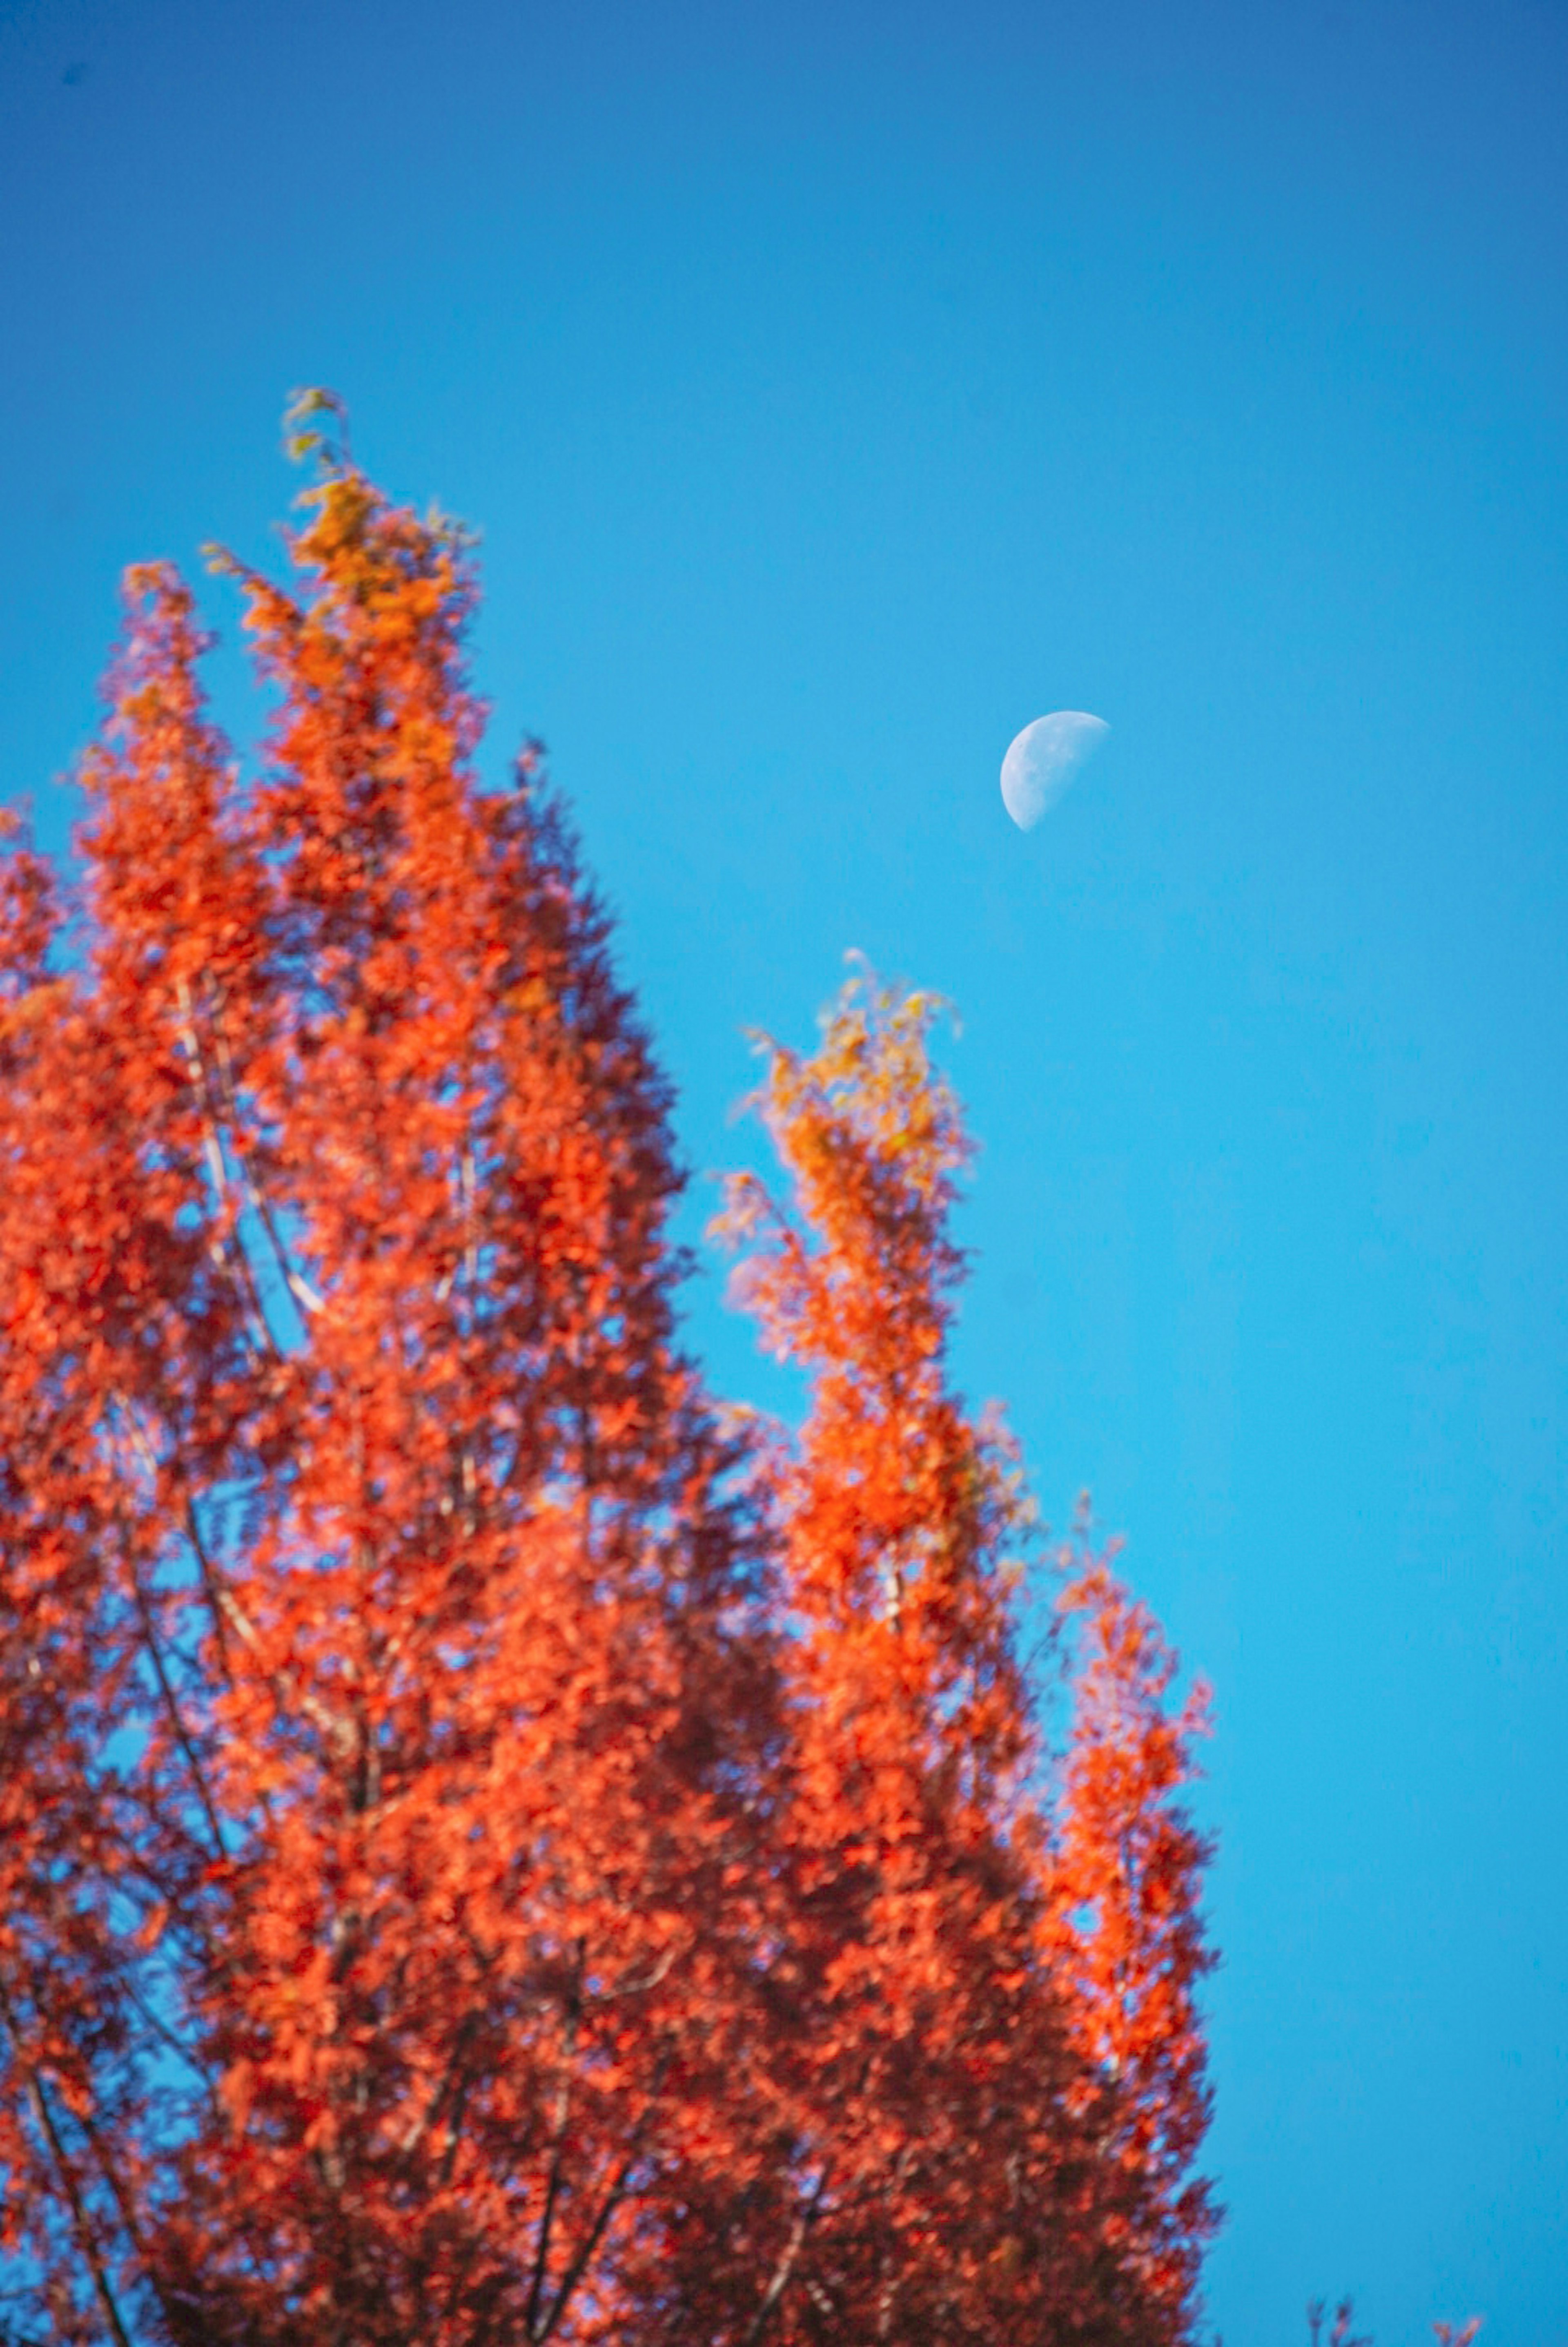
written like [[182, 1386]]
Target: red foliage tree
[[1123, 1926], [491, 1848], [942, 2187]]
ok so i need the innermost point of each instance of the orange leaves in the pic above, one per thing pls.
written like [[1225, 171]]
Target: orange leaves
[[945, 2076], [28, 912], [870, 1137], [428, 1677], [1123, 1925], [492, 1847]]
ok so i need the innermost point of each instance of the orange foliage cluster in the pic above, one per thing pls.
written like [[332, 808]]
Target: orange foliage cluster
[[493, 1846]]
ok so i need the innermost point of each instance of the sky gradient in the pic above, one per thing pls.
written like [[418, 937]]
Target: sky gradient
[[837, 389]]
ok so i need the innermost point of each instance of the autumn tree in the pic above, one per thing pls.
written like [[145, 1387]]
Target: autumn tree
[[493, 1846], [382, 1680], [1123, 1927], [969, 2163]]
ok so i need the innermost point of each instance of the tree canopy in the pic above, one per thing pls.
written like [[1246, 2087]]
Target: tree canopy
[[495, 1845]]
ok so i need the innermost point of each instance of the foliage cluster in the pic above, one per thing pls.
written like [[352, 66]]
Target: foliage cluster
[[494, 1846]]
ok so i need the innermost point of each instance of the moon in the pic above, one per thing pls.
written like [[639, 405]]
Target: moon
[[1043, 760]]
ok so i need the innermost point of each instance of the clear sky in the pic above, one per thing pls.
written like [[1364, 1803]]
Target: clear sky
[[839, 387]]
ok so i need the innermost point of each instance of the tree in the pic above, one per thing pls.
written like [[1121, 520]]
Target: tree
[[1448, 2334], [493, 1846], [1123, 1925], [1340, 2335], [964, 2169]]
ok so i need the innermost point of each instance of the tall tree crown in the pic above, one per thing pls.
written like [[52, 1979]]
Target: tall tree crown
[[489, 1852]]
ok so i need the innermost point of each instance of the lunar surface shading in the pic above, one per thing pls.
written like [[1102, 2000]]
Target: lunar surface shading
[[1041, 763]]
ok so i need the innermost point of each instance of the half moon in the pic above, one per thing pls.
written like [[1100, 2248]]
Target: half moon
[[1042, 760]]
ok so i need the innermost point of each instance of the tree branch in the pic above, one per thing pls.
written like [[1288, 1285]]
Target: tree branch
[[80, 2224], [170, 1701], [779, 2282], [558, 2154], [612, 2201]]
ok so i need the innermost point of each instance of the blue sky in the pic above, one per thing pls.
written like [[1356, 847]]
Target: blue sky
[[837, 389]]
